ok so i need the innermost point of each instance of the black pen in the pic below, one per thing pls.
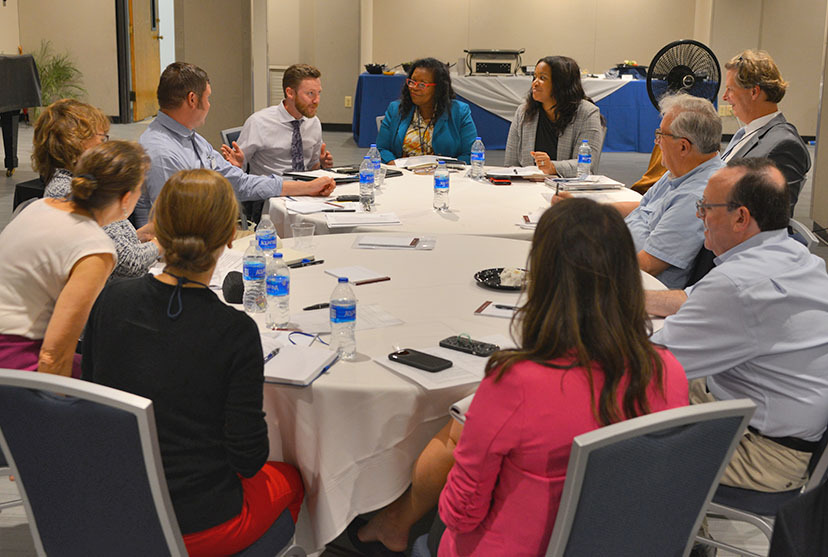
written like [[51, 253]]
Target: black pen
[[501, 306], [272, 354], [306, 263], [339, 210], [317, 306]]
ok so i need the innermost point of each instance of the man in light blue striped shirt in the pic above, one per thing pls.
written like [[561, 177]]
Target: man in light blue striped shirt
[[756, 326]]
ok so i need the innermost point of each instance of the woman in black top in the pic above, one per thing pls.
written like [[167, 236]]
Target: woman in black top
[[556, 117], [170, 339]]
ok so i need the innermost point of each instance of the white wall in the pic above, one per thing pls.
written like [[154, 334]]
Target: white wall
[[596, 33], [86, 30], [9, 28], [329, 39], [166, 28]]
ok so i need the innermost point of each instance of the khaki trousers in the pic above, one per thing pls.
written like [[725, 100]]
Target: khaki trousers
[[758, 463]]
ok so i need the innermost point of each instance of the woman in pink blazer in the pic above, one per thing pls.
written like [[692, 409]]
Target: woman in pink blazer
[[585, 360]]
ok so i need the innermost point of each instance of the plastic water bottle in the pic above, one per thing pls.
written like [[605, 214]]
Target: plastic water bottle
[[478, 159], [584, 160], [343, 320], [441, 187], [374, 153], [253, 275], [366, 183], [278, 292], [266, 235]]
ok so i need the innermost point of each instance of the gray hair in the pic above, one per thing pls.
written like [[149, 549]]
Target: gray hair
[[696, 119]]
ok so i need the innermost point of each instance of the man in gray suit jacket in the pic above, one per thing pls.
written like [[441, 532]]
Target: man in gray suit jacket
[[754, 86]]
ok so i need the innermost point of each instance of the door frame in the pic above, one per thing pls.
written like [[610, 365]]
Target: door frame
[[125, 97]]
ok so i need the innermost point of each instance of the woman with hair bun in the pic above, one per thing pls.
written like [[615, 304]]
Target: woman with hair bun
[[64, 130], [54, 260], [201, 363]]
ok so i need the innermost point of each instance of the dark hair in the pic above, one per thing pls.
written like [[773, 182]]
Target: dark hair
[[297, 73], [443, 92], [177, 81], [59, 134], [763, 192], [567, 89], [585, 303], [194, 215], [106, 172]]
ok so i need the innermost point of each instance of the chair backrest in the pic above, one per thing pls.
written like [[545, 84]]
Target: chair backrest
[[639, 487], [230, 135], [802, 234], [379, 121], [818, 467], [88, 467], [702, 264], [30, 189]]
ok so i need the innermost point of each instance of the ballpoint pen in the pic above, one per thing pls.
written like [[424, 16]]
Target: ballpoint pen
[[501, 306], [272, 354], [316, 306], [306, 263]]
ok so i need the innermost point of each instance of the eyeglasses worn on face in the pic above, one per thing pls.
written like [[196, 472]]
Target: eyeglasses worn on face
[[702, 207], [105, 137], [659, 134], [418, 84]]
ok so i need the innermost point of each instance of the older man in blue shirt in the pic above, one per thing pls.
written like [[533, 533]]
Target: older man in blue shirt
[[663, 225], [173, 145], [756, 326]]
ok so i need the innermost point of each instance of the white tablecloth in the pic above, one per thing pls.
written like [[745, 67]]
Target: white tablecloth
[[475, 207], [502, 95], [355, 432]]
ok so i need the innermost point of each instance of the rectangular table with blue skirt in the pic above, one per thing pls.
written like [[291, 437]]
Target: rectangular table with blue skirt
[[631, 117]]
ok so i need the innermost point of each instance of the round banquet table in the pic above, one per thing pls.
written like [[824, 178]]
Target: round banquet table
[[478, 208], [355, 432]]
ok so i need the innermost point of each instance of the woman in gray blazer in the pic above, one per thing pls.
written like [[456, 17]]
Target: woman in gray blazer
[[556, 116]]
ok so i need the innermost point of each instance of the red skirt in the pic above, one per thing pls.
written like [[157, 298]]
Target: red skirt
[[274, 488]]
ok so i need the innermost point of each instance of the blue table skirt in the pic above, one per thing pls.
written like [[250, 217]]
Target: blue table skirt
[[631, 118]]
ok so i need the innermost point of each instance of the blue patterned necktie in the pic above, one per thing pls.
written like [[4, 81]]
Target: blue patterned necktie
[[297, 159], [740, 133]]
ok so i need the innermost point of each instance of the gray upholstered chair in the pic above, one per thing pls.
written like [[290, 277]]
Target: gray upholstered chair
[[89, 470], [639, 487]]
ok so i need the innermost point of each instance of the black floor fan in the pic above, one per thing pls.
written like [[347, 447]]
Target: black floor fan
[[688, 66]]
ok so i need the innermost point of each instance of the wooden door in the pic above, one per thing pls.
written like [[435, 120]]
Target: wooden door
[[145, 56]]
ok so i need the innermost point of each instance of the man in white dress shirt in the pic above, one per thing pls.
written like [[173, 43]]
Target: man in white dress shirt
[[756, 326], [754, 87], [287, 136]]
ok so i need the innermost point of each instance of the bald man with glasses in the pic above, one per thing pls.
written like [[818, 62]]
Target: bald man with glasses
[[756, 326]]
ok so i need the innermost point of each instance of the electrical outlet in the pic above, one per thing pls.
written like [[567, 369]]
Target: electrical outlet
[[349, 101], [725, 109]]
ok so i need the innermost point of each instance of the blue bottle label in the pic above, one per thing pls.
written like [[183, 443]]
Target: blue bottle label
[[366, 176], [441, 182], [278, 285], [478, 157], [266, 241], [254, 270], [584, 159], [343, 314]]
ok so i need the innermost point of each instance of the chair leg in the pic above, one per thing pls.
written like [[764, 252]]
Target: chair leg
[[727, 547]]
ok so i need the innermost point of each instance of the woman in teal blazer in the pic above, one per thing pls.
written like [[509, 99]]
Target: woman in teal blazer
[[427, 119]]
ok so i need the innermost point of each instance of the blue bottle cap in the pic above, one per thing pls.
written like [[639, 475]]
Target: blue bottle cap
[[343, 279], [373, 144], [478, 138], [277, 255], [366, 157], [441, 163]]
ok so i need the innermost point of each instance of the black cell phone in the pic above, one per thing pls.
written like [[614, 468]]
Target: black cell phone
[[420, 360], [347, 198], [470, 346]]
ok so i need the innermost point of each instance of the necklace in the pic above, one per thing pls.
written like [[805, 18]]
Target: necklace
[[420, 132], [175, 306]]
